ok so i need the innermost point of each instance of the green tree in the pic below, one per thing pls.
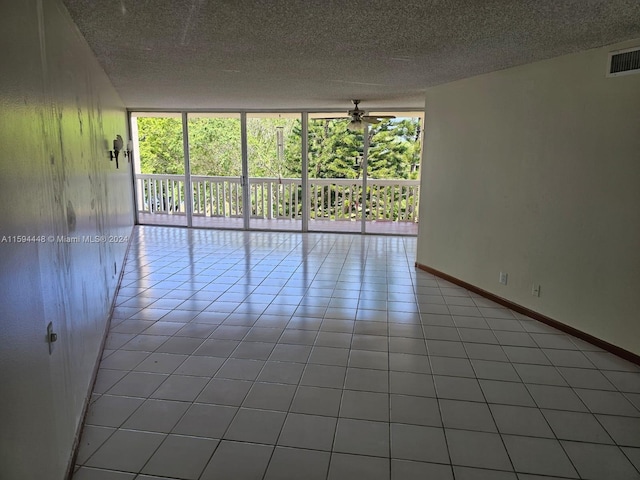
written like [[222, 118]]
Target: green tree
[[214, 146], [266, 158], [160, 143], [394, 150], [334, 151]]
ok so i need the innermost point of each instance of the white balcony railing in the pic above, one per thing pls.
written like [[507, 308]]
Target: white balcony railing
[[330, 199]]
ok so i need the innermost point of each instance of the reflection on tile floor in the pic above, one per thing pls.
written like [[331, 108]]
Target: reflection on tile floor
[[258, 355], [379, 227]]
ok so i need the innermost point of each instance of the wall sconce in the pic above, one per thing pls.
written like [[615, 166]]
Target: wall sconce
[[118, 145], [128, 153]]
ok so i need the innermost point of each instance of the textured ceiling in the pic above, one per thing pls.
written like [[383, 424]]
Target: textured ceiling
[[262, 54]]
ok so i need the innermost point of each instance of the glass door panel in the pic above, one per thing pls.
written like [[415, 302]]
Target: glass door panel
[[215, 159], [393, 185], [159, 168], [274, 151], [335, 174]]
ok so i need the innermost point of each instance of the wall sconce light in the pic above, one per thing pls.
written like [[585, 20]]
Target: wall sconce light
[[118, 144], [128, 153]]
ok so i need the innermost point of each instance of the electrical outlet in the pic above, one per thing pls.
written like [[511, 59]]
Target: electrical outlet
[[535, 290], [503, 278]]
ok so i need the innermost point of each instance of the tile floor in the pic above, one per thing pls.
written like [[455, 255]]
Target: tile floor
[[255, 355]]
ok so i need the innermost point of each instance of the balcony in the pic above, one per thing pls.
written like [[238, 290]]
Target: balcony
[[389, 206]]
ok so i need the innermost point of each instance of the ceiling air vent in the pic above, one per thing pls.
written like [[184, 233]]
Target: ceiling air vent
[[624, 62]]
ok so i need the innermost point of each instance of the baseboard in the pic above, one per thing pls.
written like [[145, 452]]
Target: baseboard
[[620, 352], [96, 367]]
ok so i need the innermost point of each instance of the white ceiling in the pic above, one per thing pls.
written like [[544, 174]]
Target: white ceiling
[[319, 54]]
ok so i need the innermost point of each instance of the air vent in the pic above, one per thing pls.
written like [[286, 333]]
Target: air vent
[[624, 62]]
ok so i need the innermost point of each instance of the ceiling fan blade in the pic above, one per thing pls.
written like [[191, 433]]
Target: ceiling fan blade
[[381, 117]]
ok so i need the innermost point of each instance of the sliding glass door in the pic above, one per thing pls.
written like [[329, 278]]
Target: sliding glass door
[[215, 160], [275, 185], [159, 168], [392, 173], [336, 166]]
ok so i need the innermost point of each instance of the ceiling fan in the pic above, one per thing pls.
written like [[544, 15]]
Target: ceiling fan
[[359, 118]]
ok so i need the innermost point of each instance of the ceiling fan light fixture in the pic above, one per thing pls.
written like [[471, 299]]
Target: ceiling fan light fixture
[[355, 125]]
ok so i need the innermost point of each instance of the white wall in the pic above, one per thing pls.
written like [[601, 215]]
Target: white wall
[[57, 113], [535, 171]]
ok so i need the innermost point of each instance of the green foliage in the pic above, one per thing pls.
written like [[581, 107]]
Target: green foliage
[[160, 142], [334, 151], [262, 146], [214, 146], [393, 149]]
